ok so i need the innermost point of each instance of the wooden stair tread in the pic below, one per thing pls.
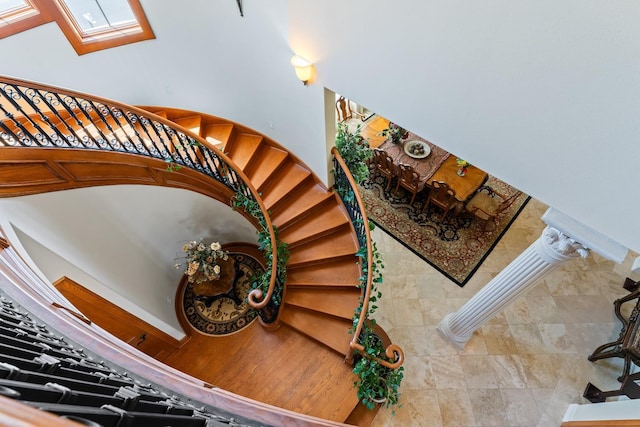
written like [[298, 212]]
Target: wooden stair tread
[[334, 245], [337, 273], [288, 178], [324, 221], [295, 207], [337, 302], [265, 163], [217, 133], [193, 123], [321, 293], [242, 148], [329, 330]]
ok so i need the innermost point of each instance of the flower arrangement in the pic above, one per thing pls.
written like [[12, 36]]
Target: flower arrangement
[[394, 132], [462, 166], [201, 261]]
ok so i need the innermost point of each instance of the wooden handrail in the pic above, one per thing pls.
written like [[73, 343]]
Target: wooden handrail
[[392, 352], [162, 139], [25, 288]]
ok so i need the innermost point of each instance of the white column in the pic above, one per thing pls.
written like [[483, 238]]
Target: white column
[[543, 256]]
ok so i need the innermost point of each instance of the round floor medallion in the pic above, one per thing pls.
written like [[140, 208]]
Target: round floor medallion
[[227, 312]]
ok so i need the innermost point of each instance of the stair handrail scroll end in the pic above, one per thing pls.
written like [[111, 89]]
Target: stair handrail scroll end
[[360, 222]]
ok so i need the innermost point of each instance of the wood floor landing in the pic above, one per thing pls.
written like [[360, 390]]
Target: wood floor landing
[[282, 368]]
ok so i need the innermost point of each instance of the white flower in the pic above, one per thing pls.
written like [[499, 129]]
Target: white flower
[[216, 246], [216, 269]]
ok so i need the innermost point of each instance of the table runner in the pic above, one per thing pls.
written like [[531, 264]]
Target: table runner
[[424, 167]]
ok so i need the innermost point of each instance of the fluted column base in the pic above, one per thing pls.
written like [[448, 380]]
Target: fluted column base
[[546, 254]]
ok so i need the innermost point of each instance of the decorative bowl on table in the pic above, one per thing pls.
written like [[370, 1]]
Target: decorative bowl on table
[[417, 149]]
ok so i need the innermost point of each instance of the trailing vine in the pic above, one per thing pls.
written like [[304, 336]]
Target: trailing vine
[[355, 151], [262, 281], [375, 382]]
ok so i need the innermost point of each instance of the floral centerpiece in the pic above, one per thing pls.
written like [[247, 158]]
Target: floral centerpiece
[[394, 132], [201, 260], [463, 165]]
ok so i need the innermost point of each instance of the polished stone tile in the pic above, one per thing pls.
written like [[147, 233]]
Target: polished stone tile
[[533, 309], [509, 371], [519, 410], [447, 372], [525, 365], [498, 339], [419, 408], [455, 408], [477, 371], [419, 375], [488, 407], [556, 338]]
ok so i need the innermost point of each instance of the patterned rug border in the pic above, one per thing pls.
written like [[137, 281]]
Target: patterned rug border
[[473, 271], [461, 281], [201, 324]]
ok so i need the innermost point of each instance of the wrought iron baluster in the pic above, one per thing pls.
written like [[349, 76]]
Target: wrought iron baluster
[[33, 98], [9, 133], [112, 139], [17, 107], [116, 115], [45, 97], [146, 123], [133, 121], [85, 108]]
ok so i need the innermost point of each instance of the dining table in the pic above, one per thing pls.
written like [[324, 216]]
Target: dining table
[[464, 186], [436, 164], [425, 165]]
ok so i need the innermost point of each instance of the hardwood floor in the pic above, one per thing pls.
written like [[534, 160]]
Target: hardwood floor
[[370, 129], [282, 368]]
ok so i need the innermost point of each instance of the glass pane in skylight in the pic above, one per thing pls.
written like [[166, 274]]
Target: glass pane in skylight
[[96, 15], [11, 5]]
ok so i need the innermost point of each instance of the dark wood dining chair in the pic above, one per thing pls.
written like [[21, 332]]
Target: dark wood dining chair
[[442, 196], [408, 179], [382, 163]]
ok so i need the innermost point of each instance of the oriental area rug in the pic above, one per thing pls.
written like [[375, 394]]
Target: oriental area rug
[[455, 247], [227, 312]]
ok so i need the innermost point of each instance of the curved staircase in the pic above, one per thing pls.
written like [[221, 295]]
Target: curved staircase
[[320, 292], [49, 150]]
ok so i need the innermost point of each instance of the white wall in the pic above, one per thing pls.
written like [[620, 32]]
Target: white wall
[[544, 94], [121, 241], [205, 57]]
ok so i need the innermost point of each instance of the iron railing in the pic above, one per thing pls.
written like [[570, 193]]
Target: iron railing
[[39, 116], [347, 189]]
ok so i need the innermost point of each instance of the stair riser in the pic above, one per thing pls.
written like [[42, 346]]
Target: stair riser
[[320, 261], [319, 235]]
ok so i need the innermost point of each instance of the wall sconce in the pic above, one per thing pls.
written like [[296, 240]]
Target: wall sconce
[[303, 68]]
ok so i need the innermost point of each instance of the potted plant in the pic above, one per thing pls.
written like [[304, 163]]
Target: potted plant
[[394, 133], [354, 150], [376, 383]]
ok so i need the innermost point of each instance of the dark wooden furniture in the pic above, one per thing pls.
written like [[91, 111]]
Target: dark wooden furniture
[[464, 186], [383, 164], [408, 179], [425, 167], [442, 196], [627, 346]]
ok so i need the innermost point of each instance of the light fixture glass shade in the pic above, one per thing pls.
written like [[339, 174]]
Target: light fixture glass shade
[[302, 67]]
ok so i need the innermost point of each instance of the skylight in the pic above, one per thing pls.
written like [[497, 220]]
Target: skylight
[[100, 15]]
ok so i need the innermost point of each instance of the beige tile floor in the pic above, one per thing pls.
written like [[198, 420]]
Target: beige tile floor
[[522, 368]]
